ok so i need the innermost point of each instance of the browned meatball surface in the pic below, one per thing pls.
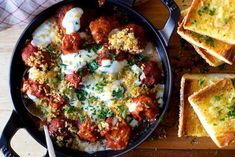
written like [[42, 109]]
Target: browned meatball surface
[[36, 89], [152, 73], [146, 108], [118, 136], [101, 27], [32, 56], [71, 43], [88, 131], [73, 79]]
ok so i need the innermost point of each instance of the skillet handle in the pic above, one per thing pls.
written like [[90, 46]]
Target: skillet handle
[[171, 23], [13, 124]]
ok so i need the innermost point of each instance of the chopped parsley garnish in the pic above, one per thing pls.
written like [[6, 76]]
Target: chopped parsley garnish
[[89, 47], [118, 93], [81, 117], [231, 112], [80, 72], [203, 9], [81, 94], [194, 22], [208, 40], [93, 66], [216, 98], [100, 85], [212, 12], [96, 47], [104, 113], [123, 110], [142, 58], [200, 82], [92, 99], [69, 109]]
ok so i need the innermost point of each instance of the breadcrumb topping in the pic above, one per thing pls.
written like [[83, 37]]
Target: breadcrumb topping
[[124, 40]]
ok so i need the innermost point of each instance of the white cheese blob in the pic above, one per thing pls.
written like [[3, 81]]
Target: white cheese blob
[[44, 34], [132, 106], [71, 20], [139, 73], [74, 61], [111, 67]]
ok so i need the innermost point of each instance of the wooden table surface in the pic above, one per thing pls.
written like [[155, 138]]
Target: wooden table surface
[[164, 141]]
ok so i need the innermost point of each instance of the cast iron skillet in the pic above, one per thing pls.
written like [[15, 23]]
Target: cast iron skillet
[[20, 117]]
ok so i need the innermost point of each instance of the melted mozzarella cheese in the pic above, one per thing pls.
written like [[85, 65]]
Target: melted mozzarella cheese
[[106, 95], [111, 67], [71, 20], [44, 34], [74, 61], [139, 73]]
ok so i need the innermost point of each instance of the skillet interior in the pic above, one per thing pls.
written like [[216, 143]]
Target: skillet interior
[[17, 69]]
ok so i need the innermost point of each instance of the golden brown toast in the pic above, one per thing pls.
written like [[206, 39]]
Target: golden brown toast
[[213, 18], [215, 108], [189, 124], [211, 60], [216, 50]]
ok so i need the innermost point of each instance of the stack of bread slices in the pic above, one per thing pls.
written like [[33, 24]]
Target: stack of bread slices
[[207, 101], [207, 107], [209, 25]]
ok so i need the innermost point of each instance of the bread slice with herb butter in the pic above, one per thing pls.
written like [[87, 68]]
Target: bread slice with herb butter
[[215, 52], [189, 124], [213, 18], [215, 108]]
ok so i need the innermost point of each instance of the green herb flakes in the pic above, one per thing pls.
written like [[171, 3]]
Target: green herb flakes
[[212, 12], [92, 66], [216, 98], [81, 94], [118, 93], [123, 110], [200, 82]]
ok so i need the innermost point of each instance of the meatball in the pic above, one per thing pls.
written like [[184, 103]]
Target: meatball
[[145, 107], [32, 56], [88, 131], [139, 34], [57, 101], [36, 89], [57, 128], [73, 79], [118, 136], [152, 73], [101, 27], [71, 43]]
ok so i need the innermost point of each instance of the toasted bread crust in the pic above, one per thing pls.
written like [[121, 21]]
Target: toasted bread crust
[[212, 24], [214, 55], [210, 111], [189, 124]]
